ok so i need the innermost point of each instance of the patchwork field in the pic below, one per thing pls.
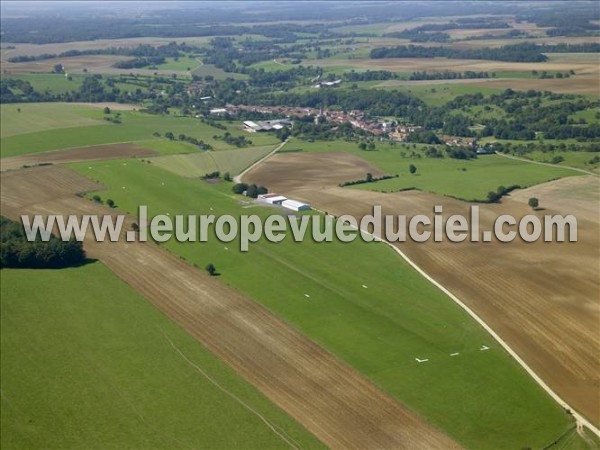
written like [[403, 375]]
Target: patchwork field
[[33, 136], [92, 153], [465, 179], [585, 81], [198, 164], [524, 291], [328, 397], [94, 351], [379, 330]]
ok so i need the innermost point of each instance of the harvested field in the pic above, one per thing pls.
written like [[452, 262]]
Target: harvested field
[[93, 153], [542, 298], [577, 84], [588, 64], [329, 398]]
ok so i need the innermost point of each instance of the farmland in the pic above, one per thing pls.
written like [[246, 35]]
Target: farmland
[[349, 320], [514, 301], [478, 109], [470, 180], [46, 130], [94, 350], [198, 164]]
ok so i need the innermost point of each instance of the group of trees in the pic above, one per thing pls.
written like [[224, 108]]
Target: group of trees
[[251, 190], [238, 141], [448, 75], [184, 138], [368, 179], [523, 52], [17, 251]]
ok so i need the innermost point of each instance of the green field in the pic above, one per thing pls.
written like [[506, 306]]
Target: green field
[[198, 164], [88, 364], [56, 83], [443, 176], [183, 63], [39, 131], [22, 118], [218, 74], [379, 330]]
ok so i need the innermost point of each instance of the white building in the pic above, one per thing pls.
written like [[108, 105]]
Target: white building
[[275, 200], [295, 205]]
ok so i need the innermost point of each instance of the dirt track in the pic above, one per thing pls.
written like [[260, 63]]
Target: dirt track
[[542, 298], [93, 153], [329, 398]]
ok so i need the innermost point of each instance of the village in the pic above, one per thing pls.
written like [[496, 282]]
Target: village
[[384, 129]]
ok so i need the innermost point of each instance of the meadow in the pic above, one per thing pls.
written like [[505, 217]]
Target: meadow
[[198, 164], [464, 179], [48, 127], [377, 320], [99, 367]]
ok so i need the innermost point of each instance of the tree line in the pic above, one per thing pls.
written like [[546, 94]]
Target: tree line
[[17, 252]]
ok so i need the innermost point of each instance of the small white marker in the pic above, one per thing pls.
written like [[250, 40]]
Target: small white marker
[[454, 354], [163, 183], [483, 348], [123, 187], [307, 296], [421, 360], [364, 285], [226, 248]]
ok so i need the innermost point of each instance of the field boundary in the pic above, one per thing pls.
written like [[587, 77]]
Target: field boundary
[[579, 419], [539, 163], [238, 178]]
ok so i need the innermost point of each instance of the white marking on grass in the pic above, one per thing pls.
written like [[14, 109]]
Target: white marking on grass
[[454, 354], [271, 426], [226, 248], [421, 360], [307, 296], [364, 285], [483, 348]]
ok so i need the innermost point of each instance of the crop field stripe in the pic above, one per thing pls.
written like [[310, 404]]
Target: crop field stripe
[[330, 398], [230, 394]]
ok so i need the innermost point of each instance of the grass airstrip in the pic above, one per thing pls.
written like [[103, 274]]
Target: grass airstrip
[[359, 300], [99, 366], [363, 303]]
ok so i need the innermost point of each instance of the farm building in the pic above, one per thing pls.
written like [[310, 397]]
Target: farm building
[[218, 111], [273, 199], [295, 205], [266, 125]]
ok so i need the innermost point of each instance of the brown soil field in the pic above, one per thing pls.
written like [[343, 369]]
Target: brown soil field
[[577, 84], [581, 66], [328, 397], [93, 153], [543, 299]]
